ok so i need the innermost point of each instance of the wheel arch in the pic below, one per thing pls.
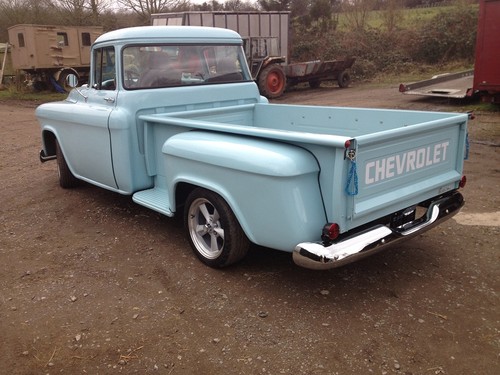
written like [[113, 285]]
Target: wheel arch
[[49, 142], [184, 186], [273, 60], [277, 201]]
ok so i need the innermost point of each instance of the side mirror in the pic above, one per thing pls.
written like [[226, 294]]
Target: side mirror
[[72, 80]]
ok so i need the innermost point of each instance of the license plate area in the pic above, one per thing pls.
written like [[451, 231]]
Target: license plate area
[[403, 217]]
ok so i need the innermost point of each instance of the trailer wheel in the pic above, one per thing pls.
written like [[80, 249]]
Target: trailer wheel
[[344, 79], [272, 81], [66, 179], [64, 82], [39, 86], [213, 231], [314, 83]]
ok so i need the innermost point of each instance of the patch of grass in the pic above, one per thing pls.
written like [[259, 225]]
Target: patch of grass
[[409, 18], [478, 107], [11, 93]]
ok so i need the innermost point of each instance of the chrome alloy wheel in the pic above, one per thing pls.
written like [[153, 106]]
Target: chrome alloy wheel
[[205, 228]]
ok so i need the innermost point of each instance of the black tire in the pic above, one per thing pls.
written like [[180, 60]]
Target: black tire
[[39, 86], [66, 179], [272, 81], [344, 79], [63, 80], [213, 231], [314, 83]]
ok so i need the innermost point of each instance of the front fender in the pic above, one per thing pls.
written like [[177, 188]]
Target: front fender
[[271, 187], [49, 142]]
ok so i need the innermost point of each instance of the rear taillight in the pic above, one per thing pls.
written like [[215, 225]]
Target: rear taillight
[[462, 182], [330, 232]]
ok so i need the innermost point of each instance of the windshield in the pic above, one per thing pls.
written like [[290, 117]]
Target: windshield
[[149, 66]]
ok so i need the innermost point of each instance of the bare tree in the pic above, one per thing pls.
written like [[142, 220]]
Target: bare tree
[[300, 7], [321, 11], [73, 11], [239, 5], [393, 14], [274, 5], [144, 8], [356, 12], [208, 6], [81, 12], [96, 8], [14, 12]]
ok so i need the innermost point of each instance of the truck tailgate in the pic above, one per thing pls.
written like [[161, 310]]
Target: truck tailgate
[[399, 168]]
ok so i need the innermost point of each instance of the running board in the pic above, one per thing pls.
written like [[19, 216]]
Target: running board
[[155, 199]]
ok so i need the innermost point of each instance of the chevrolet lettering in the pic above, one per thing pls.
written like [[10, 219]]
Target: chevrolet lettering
[[409, 161]]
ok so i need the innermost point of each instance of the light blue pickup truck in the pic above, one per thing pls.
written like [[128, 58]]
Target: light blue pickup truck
[[172, 117]]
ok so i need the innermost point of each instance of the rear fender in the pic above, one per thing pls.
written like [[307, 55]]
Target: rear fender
[[271, 187]]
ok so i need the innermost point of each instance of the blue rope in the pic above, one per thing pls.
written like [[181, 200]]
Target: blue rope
[[56, 85], [467, 146], [352, 179]]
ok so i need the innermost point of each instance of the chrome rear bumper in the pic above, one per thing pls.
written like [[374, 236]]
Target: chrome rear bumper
[[319, 257]]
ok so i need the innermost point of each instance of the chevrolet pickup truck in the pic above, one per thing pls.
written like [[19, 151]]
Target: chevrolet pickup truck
[[172, 117]]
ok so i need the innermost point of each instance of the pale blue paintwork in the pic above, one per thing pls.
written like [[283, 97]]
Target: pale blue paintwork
[[281, 168], [172, 34]]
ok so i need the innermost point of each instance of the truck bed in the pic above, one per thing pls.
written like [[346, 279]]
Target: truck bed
[[314, 122], [401, 157]]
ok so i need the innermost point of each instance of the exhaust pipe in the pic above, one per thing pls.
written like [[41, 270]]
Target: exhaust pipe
[[44, 157]]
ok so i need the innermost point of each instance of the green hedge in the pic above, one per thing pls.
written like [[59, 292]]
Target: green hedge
[[448, 37]]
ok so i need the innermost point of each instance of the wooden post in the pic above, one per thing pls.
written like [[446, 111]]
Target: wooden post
[[5, 51]]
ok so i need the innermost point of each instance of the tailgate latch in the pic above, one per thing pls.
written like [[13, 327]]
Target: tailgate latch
[[350, 154]]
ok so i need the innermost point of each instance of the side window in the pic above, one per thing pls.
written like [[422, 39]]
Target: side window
[[62, 39], [86, 39], [104, 73], [20, 39]]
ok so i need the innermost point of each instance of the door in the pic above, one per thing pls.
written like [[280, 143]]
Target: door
[[89, 148]]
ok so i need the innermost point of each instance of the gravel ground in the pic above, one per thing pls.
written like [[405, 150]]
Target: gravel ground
[[91, 283]]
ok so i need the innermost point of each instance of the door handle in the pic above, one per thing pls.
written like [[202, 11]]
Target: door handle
[[109, 99]]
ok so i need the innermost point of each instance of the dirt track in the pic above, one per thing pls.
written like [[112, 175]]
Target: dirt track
[[91, 283]]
